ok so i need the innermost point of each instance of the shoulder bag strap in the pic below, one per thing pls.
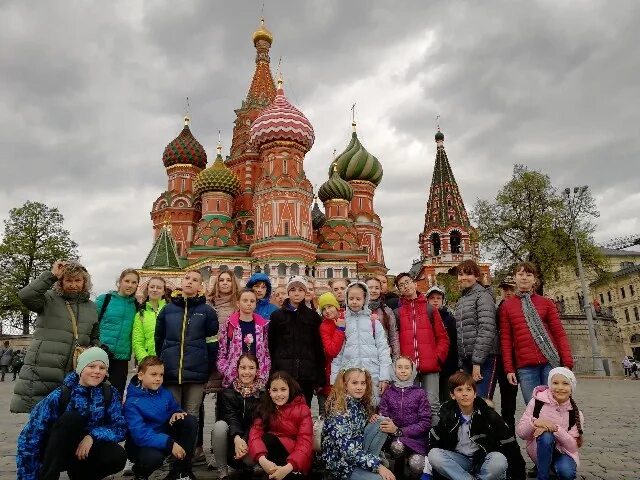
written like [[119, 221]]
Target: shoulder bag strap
[[74, 321]]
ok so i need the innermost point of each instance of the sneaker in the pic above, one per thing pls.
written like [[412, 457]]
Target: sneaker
[[222, 472], [181, 476], [128, 469]]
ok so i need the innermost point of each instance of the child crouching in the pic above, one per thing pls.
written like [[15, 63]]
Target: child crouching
[[407, 418], [157, 424], [76, 428]]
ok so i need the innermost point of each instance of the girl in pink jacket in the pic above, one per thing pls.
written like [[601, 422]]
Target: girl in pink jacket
[[552, 426]]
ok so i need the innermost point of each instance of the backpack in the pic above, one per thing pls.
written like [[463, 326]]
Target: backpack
[[538, 406], [65, 397]]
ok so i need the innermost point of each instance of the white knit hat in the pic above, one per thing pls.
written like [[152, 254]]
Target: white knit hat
[[565, 372], [297, 281]]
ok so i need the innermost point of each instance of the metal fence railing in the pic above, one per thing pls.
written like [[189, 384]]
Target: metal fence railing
[[584, 366]]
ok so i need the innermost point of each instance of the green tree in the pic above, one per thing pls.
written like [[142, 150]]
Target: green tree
[[529, 221], [34, 237]]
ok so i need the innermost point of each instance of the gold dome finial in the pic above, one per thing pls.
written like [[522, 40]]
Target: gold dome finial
[[262, 34]]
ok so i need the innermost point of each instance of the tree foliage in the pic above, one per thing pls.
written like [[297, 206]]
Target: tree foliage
[[529, 221], [34, 237]]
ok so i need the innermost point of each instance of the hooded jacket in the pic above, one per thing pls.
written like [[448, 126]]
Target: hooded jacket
[[343, 442], [187, 339], [264, 307], [116, 324], [49, 355], [147, 413], [555, 413], [476, 325], [231, 344], [144, 328], [332, 341], [409, 409], [294, 428], [104, 422], [295, 345], [365, 344]]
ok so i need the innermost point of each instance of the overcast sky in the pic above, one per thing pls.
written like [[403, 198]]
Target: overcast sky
[[91, 93]]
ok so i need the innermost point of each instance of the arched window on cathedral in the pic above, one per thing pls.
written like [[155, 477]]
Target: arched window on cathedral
[[267, 269], [329, 272], [435, 243], [238, 271], [286, 228], [223, 268], [345, 272], [456, 241], [250, 227], [282, 269], [294, 269], [257, 269]]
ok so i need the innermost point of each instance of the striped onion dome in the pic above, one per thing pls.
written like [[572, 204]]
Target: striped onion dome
[[356, 163], [335, 188], [185, 149], [217, 178], [282, 121]]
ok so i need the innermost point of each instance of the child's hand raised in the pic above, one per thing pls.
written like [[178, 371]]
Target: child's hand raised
[[340, 322]]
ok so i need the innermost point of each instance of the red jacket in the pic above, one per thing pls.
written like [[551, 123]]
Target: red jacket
[[294, 428], [516, 339], [418, 341], [332, 342]]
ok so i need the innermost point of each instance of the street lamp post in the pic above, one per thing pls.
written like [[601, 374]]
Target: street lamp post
[[575, 203]]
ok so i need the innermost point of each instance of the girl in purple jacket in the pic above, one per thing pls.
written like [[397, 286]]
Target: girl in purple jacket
[[407, 418]]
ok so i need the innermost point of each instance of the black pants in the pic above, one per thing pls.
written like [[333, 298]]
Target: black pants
[[307, 390], [4, 369], [146, 460], [508, 396], [105, 458], [118, 372], [275, 449]]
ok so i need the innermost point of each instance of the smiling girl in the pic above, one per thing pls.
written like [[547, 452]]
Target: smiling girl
[[144, 323], [281, 437], [116, 311], [552, 426]]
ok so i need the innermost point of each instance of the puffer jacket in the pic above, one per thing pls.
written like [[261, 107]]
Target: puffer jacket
[[295, 345], [409, 409], [231, 346], [116, 324], [476, 325], [516, 338], [391, 330], [144, 328], [343, 442], [237, 410], [147, 413], [424, 341], [6, 356], [187, 339], [365, 345], [451, 363], [104, 422], [332, 341], [294, 428], [49, 355], [264, 307], [555, 413]]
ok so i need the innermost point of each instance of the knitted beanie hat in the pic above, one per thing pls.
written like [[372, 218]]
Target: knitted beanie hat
[[91, 355], [297, 281], [565, 372], [327, 299]]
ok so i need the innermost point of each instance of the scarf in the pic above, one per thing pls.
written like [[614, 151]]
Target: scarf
[[538, 332], [375, 304], [404, 383], [252, 390]]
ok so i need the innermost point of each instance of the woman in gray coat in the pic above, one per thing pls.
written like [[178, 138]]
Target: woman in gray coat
[[476, 328], [59, 297]]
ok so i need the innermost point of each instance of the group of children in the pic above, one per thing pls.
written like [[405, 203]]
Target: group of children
[[270, 362]]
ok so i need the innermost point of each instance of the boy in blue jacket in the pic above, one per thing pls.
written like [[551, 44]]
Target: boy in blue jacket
[[261, 285], [76, 428], [157, 425]]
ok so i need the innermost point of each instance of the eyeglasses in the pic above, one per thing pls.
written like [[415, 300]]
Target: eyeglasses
[[405, 284]]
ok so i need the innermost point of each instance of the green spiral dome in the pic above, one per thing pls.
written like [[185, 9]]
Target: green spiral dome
[[335, 188], [217, 178], [356, 163]]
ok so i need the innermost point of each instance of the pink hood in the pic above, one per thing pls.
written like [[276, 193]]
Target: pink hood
[[555, 413]]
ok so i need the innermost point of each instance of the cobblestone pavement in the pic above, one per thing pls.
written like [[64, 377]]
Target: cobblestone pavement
[[610, 452]]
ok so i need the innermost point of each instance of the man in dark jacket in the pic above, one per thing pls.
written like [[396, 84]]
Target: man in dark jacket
[[471, 440], [187, 342], [295, 345], [6, 356]]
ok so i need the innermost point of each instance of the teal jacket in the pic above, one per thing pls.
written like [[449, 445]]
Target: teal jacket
[[117, 323]]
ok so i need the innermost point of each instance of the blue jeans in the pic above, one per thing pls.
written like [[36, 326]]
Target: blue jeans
[[455, 466], [530, 378], [374, 440], [487, 385], [547, 456]]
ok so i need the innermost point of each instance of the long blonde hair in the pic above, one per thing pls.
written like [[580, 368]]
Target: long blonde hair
[[337, 400], [215, 290]]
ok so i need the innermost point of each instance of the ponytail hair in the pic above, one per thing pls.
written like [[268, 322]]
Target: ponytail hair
[[576, 417], [337, 400]]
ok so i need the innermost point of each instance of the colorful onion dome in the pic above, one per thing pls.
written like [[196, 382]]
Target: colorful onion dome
[[355, 163], [262, 34], [282, 121], [439, 136], [185, 149], [217, 178], [317, 217], [335, 188]]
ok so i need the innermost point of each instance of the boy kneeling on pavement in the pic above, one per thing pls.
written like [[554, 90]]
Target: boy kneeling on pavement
[[157, 425], [471, 441]]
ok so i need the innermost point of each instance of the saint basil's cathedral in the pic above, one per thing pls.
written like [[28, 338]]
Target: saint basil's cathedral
[[255, 211]]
